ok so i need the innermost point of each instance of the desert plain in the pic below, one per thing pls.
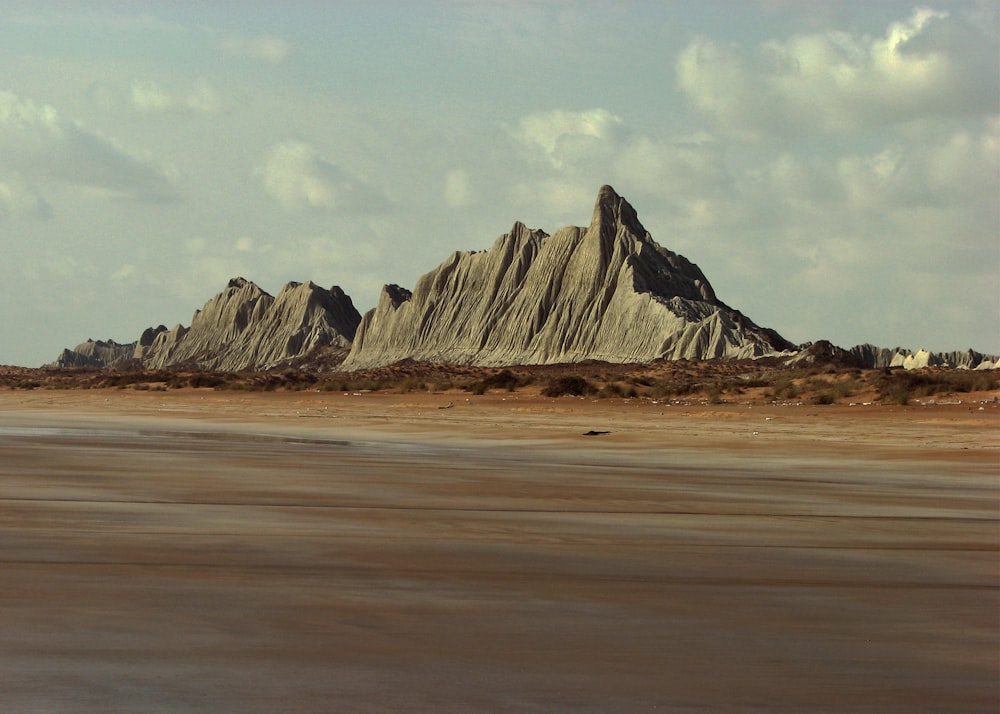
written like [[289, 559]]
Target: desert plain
[[196, 550]]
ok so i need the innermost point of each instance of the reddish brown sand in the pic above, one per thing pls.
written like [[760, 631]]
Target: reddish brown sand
[[306, 552]]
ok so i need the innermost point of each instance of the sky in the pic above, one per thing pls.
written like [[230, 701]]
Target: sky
[[833, 168]]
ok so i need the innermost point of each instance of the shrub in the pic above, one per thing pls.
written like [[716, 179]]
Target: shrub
[[573, 386], [206, 379], [845, 389], [412, 384], [611, 390], [504, 379], [784, 388]]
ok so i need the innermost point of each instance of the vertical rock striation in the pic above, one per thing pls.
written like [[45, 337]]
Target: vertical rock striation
[[245, 328], [605, 292]]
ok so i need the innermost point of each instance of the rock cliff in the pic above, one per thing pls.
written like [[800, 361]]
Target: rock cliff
[[245, 328], [241, 328], [605, 292], [873, 357], [95, 353]]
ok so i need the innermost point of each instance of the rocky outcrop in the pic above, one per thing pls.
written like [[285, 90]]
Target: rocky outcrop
[[96, 353], [823, 352], [146, 340], [245, 328], [881, 357], [605, 292], [241, 328]]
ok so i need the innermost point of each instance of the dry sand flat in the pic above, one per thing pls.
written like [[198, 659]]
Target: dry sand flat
[[305, 552]]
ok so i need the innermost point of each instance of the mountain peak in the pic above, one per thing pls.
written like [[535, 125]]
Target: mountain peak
[[612, 211], [608, 292]]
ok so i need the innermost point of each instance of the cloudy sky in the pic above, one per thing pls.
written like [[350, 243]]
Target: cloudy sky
[[832, 167]]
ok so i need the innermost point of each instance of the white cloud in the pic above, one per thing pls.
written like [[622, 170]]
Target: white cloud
[[41, 146], [958, 170], [677, 170], [563, 137], [125, 272], [295, 175], [931, 65], [90, 21], [457, 189], [18, 198], [194, 245], [536, 31], [150, 97], [264, 48], [581, 151], [202, 98], [559, 198]]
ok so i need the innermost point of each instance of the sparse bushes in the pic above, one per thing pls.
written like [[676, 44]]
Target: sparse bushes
[[672, 388], [610, 390], [504, 379], [898, 386], [681, 381], [571, 385], [785, 388], [411, 384], [206, 379], [353, 384]]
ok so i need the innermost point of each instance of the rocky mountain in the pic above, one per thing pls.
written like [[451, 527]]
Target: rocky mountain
[[880, 357], [241, 328], [96, 353], [604, 292]]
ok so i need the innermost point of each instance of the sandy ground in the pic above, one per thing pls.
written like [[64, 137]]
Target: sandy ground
[[200, 551]]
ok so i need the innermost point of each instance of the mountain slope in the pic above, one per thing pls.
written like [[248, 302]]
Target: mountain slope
[[607, 292], [881, 357], [95, 353], [245, 328], [241, 328]]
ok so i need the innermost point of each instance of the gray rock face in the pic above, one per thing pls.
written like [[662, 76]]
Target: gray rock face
[[96, 353], [241, 328], [606, 292], [880, 357], [245, 328]]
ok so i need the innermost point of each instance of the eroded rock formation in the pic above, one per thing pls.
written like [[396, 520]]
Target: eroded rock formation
[[241, 328], [96, 353], [244, 328], [881, 357], [605, 292]]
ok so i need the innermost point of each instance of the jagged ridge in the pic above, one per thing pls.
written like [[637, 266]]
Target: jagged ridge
[[869, 355], [96, 353], [241, 328], [607, 292], [245, 328]]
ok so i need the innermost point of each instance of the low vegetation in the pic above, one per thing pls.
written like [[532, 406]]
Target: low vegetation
[[568, 386], [901, 387], [735, 382]]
